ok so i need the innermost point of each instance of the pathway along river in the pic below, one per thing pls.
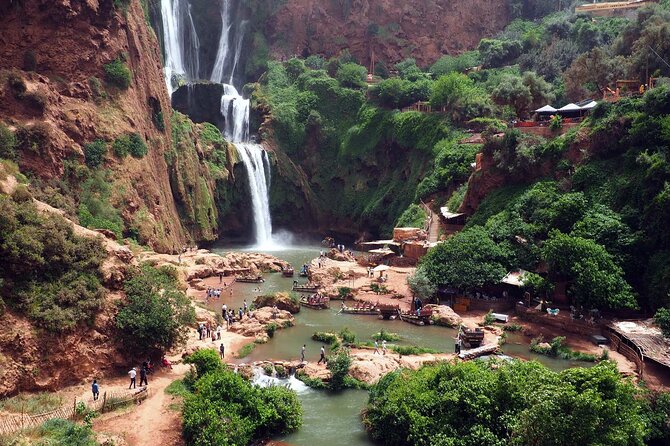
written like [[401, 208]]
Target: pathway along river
[[334, 419]]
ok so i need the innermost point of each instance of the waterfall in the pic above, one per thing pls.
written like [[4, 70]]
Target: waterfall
[[182, 63], [181, 43], [262, 380], [255, 160]]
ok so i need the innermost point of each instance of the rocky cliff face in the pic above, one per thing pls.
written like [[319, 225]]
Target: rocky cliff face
[[392, 29], [58, 50]]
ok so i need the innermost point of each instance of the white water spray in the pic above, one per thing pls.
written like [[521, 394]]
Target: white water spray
[[255, 159]]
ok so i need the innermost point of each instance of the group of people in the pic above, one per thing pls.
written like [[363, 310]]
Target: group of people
[[322, 357], [384, 349], [207, 331], [144, 372], [316, 299]]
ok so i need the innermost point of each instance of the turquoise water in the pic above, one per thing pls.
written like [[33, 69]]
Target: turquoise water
[[334, 419]]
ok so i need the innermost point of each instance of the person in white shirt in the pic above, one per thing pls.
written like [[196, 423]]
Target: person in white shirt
[[384, 346], [323, 355], [132, 373]]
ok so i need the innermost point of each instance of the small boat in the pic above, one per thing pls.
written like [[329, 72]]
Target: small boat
[[472, 336], [388, 311], [362, 309], [315, 302], [305, 288], [423, 317], [250, 279], [288, 272]]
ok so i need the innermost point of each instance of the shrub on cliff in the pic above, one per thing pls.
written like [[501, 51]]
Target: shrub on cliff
[[413, 217], [131, 143], [118, 74], [7, 143], [225, 409], [94, 153], [49, 274], [156, 313], [454, 402]]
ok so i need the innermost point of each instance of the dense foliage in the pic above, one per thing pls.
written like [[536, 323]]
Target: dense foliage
[[516, 403], [413, 217], [224, 409], [49, 274], [129, 144], [156, 313], [118, 74], [94, 153]]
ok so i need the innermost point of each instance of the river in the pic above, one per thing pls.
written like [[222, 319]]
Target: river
[[334, 418]]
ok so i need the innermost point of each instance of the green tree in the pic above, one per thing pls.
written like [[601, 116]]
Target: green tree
[[351, 75], [447, 64], [662, 319], [459, 95], [339, 369], [421, 285], [496, 53], [496, 404], [596, 281], [155, 314], [468, 260]]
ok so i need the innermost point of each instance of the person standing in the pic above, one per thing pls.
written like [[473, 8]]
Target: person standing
[[218, 332], [323, 355], [95, 389], [384, 346], [143, 376], [222, 350], [302, 353], [245, 306], [220, 277], [376, 348], [132, 373]]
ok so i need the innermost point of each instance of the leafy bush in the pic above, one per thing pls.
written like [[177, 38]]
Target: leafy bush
[[50, 274], [413, 217], [58, 431], [8, 143], [662, 319], [155, 314], [95, 208], [118, 74], [420, 285], [327, 338], [94, 153], [270, 329], [226, 409], [246, 350], [351, 75], [131, 143], [454, 402], [347, 336], [339, 369], [205, 361]]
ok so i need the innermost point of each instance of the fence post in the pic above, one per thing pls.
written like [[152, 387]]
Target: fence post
[[22, 411], [74, 409], [104, 400]]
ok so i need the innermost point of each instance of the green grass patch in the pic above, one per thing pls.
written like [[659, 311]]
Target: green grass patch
[[246, 350], [32, 403], [177, 388], [407, 350]]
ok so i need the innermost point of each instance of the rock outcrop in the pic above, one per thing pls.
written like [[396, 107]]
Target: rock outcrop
[[445, 316], [390, 29], [282, 300], [257, 323]]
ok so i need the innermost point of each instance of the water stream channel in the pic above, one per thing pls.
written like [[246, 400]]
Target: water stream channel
[[334, 419]]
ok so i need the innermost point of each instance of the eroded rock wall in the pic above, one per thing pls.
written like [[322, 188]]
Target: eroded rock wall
[[392, 29]]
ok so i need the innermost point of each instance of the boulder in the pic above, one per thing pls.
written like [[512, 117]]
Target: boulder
[[445, 316], [282, 300], [406, 234]]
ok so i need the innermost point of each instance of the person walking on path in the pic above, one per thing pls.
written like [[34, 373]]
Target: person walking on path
[[302, 353], [132, 373], [376, 352], [222, 350], [143, 376], [95, 389], [323, 355], [384, 346]]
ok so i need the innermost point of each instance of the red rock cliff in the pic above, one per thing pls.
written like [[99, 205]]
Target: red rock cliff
[[393, 29], [59, 48]]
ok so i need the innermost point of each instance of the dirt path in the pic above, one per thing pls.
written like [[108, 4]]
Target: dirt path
[[153, 421]]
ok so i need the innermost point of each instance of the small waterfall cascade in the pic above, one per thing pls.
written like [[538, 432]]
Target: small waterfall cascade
[[182, 52], [181, 43], [262, 380]]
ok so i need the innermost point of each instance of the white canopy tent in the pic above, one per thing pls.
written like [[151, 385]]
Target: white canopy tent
[[546, 109]]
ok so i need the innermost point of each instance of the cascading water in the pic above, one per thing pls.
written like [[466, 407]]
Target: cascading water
[[181, 43], [182, 51]]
